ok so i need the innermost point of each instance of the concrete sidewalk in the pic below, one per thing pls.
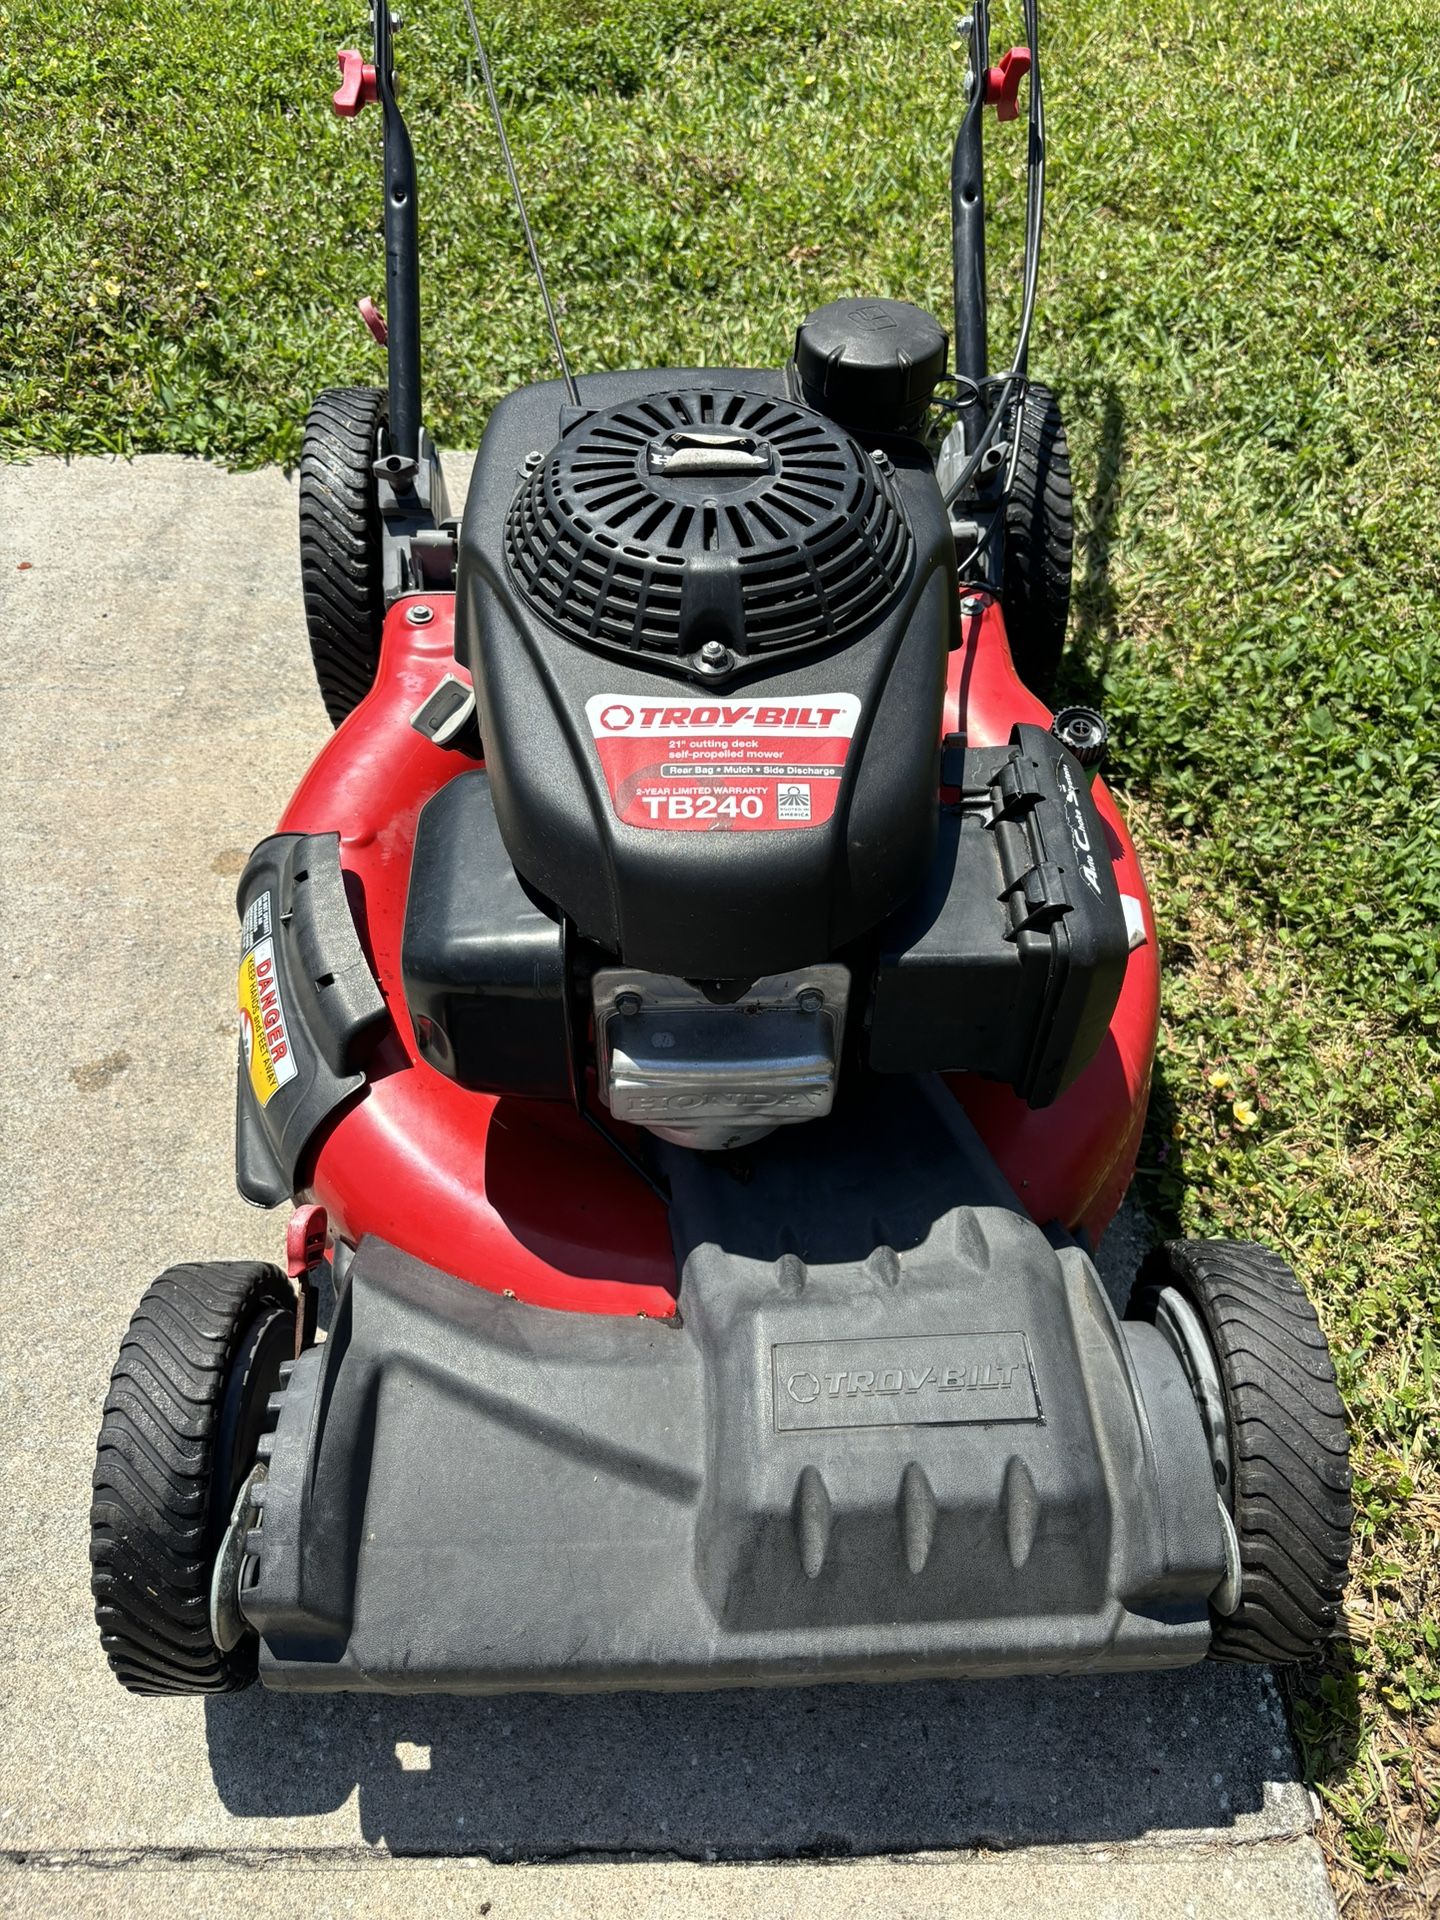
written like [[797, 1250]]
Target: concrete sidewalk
[[158, 708]]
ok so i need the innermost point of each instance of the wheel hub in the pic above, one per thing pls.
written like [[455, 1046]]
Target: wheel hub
[[1182, 1327], [227, 1623]]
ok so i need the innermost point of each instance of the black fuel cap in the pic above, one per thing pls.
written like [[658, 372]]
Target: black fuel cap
[[871, 364]]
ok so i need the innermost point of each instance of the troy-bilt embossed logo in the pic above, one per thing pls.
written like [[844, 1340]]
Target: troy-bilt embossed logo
[[997, 1374], [944, 1379], [665, 1104]]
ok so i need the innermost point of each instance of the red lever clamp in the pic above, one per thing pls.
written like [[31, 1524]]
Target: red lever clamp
[[358, 85], [305, 1239], [374, 319], [1002, 83]]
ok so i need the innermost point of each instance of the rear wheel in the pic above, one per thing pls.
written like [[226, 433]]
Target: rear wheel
[[1039, 543], [341, 563], [187, 1404], [1278, 1438]]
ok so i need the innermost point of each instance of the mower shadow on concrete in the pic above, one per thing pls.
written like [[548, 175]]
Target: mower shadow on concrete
[[803, 1771], [822, 1771]]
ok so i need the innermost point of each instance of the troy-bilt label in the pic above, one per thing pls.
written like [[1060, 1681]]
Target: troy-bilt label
[[922, 1380], [262, 1016], [693, 764]]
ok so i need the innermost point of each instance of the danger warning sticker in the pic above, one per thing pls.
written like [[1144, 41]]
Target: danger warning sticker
[[737, 766], [262, 1017]]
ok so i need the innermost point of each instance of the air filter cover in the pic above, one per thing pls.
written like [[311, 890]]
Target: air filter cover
[[707, 526]]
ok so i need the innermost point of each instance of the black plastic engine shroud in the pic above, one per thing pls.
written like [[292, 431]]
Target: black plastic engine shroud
[[705, 904], [697, 515]]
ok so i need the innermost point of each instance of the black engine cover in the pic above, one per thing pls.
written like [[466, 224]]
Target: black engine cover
[[603, 777]]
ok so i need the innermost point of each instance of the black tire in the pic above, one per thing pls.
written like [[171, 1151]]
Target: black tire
[[1289, 1495], [1039, 544], [341, 566], [186, 1406]]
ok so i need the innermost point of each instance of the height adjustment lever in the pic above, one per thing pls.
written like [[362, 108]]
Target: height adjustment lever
[[1002, 83], [374, 320], [305, 1241], [358, 84]]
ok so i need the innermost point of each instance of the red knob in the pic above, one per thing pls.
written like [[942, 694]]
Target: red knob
[[357, 84], [374, 320], [1002, 83]]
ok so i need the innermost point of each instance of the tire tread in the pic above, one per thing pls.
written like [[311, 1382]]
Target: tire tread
[[1039, 543], [341, 566]]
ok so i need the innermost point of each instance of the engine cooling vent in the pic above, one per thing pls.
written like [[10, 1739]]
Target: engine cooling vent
[[707, 526]]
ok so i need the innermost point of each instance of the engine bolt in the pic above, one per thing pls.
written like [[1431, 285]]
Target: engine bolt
[[627, 1005], [420, 616], [810, 1000], [714, 657]]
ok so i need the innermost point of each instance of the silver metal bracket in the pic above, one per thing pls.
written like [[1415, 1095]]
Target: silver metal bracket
[[713, 1074], [417, 535]]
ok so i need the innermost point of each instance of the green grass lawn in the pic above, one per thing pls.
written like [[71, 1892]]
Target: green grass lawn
[[1239, 307]]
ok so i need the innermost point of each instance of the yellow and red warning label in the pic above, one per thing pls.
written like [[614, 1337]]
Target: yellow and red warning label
[[263, 1032], [697, 765]]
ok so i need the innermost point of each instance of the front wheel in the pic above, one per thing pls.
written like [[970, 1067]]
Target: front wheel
[[187, 1404], [1252, 1346]]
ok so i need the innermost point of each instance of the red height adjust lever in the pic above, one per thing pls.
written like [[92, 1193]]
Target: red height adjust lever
[[1002, 84], [305, 1239], [374, 320], [357, 84]]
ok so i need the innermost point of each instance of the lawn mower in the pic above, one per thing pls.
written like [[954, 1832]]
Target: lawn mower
[[700, 1007]]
